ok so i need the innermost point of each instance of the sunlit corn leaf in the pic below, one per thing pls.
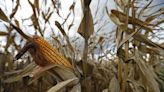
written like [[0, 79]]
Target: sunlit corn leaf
[[114, 18], [114, 85], [3, 33], [147, 72], [136, 86], [64, 72], [62, 84], [3, 16], [36, 78], [25, 72], [38, 70], [86, 27], [15, 9]]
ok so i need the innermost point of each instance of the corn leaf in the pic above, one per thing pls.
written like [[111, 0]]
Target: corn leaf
[[3, 16], [62, 85], [3, 33]]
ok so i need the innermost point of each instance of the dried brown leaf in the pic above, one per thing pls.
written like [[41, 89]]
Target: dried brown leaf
[[65, 35], [148, 74], [25, 72], [160, 22], [38, 70], [72, 6], [17, 23], [3, 33], [87, 3], [119, 36], [101, 40], [122, 17], [60, 28], [48, 17], [136, 86], [34, 18], [114, 85], [142, 38], [69, 27], [151, 18], [114, 18], [64, 72], [127, 38], [15, 9], [3, 16], [76, 88], [86, 27], [62, 84], [36, 4]]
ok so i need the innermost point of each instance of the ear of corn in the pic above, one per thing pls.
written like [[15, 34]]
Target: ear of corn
[[46, 53]]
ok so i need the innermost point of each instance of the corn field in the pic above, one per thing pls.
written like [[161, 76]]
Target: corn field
[[31, 62]]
